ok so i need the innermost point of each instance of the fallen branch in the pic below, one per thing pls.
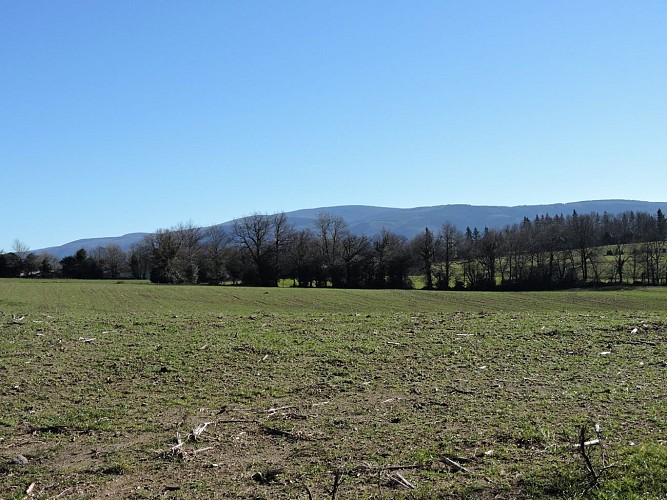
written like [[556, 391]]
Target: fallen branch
[[338, 479], [62, 493], [591, 442], [457, 466], [399, 479], [587, 459], [194, 452], [177, 449], [582, 446], [637, 342], [197, 431], [22, 443], [366, 467], [460, 391], [274, 410], [17, 320], [239, 421]]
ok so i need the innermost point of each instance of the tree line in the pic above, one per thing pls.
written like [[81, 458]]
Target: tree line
[[546, 252]]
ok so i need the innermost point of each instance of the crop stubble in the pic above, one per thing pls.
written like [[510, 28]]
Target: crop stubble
[[94, 398]]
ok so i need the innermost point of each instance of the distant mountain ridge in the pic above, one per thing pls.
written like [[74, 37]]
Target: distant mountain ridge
[[370, 220]]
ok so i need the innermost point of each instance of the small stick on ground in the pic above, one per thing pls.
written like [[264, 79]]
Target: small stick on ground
[[338, 479], [64, 492], [202, 449], [587, 460], [366, 467], [274, 410], [457, 466], [460, 391], [197, 431], [17, 320], [397, 477], [239, 421], [591, 442], [177, 449], [272, 431]]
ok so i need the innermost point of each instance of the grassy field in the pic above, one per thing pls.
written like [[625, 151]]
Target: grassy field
[[136, 391]]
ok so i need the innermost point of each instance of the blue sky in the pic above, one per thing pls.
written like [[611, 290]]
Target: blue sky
[[129, 116]]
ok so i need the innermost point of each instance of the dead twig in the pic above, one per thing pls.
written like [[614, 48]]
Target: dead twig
[[239, 421], [457, 466], [338, 479], [366, 467], [637, 342], [603, 450], [271, 411], [591, 442], [16, 320], [272, 431], [197, 431], [456, 389], [62, 493], [177, 449], [22, 443], [583, 448], [195, 452], [399, 479], [585, 455]]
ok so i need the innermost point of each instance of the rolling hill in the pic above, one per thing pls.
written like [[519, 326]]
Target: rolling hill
[[370, 220]]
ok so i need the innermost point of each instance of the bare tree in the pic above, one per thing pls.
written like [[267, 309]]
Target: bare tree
[[20, 249], [490, 243], [283, 233], [355, 252], [165, 245], [450, 238], [303, 258], [190, 237], [254, 235], [217, 242], [391, 260], [425, 247], [654, 252], [140, 259], [582, 232], [331, 230], [21, 252], [114, 259], [620, 258]]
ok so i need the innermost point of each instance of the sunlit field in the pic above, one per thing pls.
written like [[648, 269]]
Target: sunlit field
[[135, 390]]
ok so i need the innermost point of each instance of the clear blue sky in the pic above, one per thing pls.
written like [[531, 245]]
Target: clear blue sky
[[122, 116]]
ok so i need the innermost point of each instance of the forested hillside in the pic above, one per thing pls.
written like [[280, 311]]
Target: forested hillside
[[541, 253], [369, 221]]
